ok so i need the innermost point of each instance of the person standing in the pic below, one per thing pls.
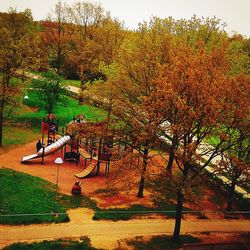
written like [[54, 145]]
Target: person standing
[[38, 145]]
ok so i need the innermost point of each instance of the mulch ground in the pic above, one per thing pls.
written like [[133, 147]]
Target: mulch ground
[[12, 157]]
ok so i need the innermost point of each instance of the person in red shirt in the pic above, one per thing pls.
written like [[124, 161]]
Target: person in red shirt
[[76, 189]]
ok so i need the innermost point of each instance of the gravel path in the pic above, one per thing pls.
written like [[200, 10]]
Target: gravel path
[[105, 233]]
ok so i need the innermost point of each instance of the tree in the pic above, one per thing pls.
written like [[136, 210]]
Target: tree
[[56, 36], [85, 53], [110, 37], [49, 90], [129, 80], [237, 165], [18, 51], [191, 92], [137, 67], [236, 161]]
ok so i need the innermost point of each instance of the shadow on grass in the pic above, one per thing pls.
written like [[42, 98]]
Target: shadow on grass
[[84, 244], [161, 242], [115, 214]]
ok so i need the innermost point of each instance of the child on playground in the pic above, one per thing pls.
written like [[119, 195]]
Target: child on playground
[[38, 145], [76, 189]]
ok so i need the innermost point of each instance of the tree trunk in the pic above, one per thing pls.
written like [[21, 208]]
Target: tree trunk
[[1, 126], [179, 205], [230, 196], [2, 104], [171, 154], [141, 185]]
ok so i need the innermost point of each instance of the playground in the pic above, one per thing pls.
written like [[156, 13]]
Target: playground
[[18, 158], [80, 159], [92, 186]]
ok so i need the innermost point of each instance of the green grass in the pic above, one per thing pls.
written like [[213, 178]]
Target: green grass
[[116, 214], [77, 201], [18, 135], [213, 140], [25, 194], [84, 244], [76, 83], [64, 113], [161, 242]]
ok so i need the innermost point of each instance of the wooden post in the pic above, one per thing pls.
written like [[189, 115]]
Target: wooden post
[[43, 155], [42, 138], [99, 153]]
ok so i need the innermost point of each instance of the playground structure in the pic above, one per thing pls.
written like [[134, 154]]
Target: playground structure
[[49, 128], [91, 146], [79, 140], [44, 151]]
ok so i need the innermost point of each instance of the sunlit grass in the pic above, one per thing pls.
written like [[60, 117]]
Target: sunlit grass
[[18, 135], [25, 194], [76, 83], [64, 113]]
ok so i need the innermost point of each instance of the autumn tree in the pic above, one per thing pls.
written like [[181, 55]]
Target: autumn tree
[[18, 51], [191, 94], [87, 18], [236, 160], [191, 31], [209, 30], [236, 163], [56, 36], [111, 34], [137, 67]]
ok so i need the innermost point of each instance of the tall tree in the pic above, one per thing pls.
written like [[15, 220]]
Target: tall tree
[[18, 51], [85, 54], [191, 92], [56, 36], [137, 63]]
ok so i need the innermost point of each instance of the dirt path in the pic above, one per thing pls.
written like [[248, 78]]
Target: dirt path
[[104, 234]]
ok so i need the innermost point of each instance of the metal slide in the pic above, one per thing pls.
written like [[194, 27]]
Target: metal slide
[[87, 170], [49, 149]]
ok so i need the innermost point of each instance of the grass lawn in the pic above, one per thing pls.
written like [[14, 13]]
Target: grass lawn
[[161, 242], [116, 214], [84, 244], [25, 194], [76, 83], [64, 113], [156, 242], [33, 195], [18, 135]]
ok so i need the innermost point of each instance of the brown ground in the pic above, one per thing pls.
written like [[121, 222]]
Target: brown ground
[[12, 159]]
